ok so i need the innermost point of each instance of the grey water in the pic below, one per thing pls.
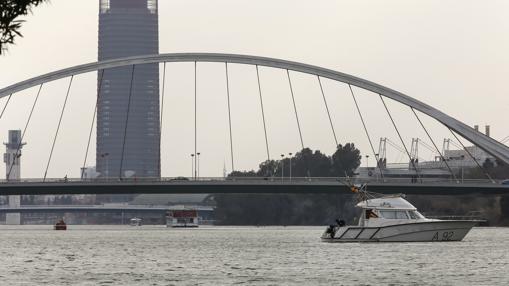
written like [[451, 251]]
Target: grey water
[[155, 255]]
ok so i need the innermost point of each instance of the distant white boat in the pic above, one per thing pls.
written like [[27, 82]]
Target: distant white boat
[[394, 219], [135, 221]]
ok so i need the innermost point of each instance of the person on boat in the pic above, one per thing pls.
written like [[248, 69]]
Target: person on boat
[[330, 231], [340, 222], [370, 214]]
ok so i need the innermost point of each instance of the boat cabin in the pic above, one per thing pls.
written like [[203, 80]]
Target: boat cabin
[[182, 218], [387, 211]]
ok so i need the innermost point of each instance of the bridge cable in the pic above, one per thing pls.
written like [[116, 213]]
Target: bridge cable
[[472, 156], [5, 106], [295, 109], [263, 113], [427, 146], [161, 116], [435, 145], [454, 143], [395, 146], [298, 126], [366, 131], [328, 112], [229, 113], [195, 124], [401, 139], [126, 123], [24, 130], [93, 120], [58, 128]]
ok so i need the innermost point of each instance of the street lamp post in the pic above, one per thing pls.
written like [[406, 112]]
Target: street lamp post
[[192, 166], [290, 155], [198, 163], [367, 164], [282, 167], [377, 165]]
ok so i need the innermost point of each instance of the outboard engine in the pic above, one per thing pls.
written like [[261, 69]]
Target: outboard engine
[[340, 222], [330, 231]]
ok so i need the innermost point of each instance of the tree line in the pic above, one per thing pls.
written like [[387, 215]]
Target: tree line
[[308, 163]]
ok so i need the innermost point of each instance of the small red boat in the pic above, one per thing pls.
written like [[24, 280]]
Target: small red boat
[[60, 225]]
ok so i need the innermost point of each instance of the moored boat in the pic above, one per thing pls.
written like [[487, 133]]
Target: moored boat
[[182, 218], [394, 219], [60, 225], [135, 221]]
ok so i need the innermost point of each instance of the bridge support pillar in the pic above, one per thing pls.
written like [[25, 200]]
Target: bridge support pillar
[[13, 218]]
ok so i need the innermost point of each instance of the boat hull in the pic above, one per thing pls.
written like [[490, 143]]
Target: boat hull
[[428, 231]]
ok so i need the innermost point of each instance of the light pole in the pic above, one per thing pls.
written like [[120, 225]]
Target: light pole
[[192, 166], [377, 165], [198, 163], [290, 155], [282, 167]]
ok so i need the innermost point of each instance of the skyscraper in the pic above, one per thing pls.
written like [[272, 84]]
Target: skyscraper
[[128, 106]]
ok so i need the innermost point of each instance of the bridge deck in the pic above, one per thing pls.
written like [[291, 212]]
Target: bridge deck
[[260, 186], [100, 208]]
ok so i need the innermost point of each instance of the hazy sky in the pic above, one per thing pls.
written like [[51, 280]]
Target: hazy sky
[[449, 54]]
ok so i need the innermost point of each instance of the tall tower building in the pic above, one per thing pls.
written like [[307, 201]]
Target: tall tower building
[[12, 160], [128, 28]]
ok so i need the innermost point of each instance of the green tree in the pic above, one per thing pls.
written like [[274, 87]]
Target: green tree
[[345, 160], [10, 11], [488, 164], [268, 168], [497, 170], [308, 163], [236, 174]]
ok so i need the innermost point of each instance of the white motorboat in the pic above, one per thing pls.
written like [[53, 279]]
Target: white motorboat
[[394, 219], [135, 221]]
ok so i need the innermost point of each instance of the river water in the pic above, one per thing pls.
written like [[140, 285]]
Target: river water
[[155, 255]]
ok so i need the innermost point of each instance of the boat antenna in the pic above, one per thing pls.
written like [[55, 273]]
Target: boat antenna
[[361, 191]]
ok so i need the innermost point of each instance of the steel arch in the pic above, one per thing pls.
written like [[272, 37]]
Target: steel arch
[[491, 146]]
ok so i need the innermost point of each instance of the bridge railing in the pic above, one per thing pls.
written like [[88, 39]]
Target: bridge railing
[[110, 206], [247, 180]]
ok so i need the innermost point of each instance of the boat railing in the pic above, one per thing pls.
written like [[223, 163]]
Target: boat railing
[[458, 217]]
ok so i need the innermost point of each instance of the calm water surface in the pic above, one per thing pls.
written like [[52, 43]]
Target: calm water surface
[[152, 255]]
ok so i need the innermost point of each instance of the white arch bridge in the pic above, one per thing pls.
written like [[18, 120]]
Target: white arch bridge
[[491, 146]]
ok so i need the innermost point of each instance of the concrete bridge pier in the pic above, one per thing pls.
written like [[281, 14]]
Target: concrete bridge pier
[[13, 218]]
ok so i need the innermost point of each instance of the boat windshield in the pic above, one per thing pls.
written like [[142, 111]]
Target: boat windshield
[[415, 215], [390, 214]]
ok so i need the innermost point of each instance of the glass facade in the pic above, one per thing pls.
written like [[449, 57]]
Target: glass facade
[[128, 28]]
